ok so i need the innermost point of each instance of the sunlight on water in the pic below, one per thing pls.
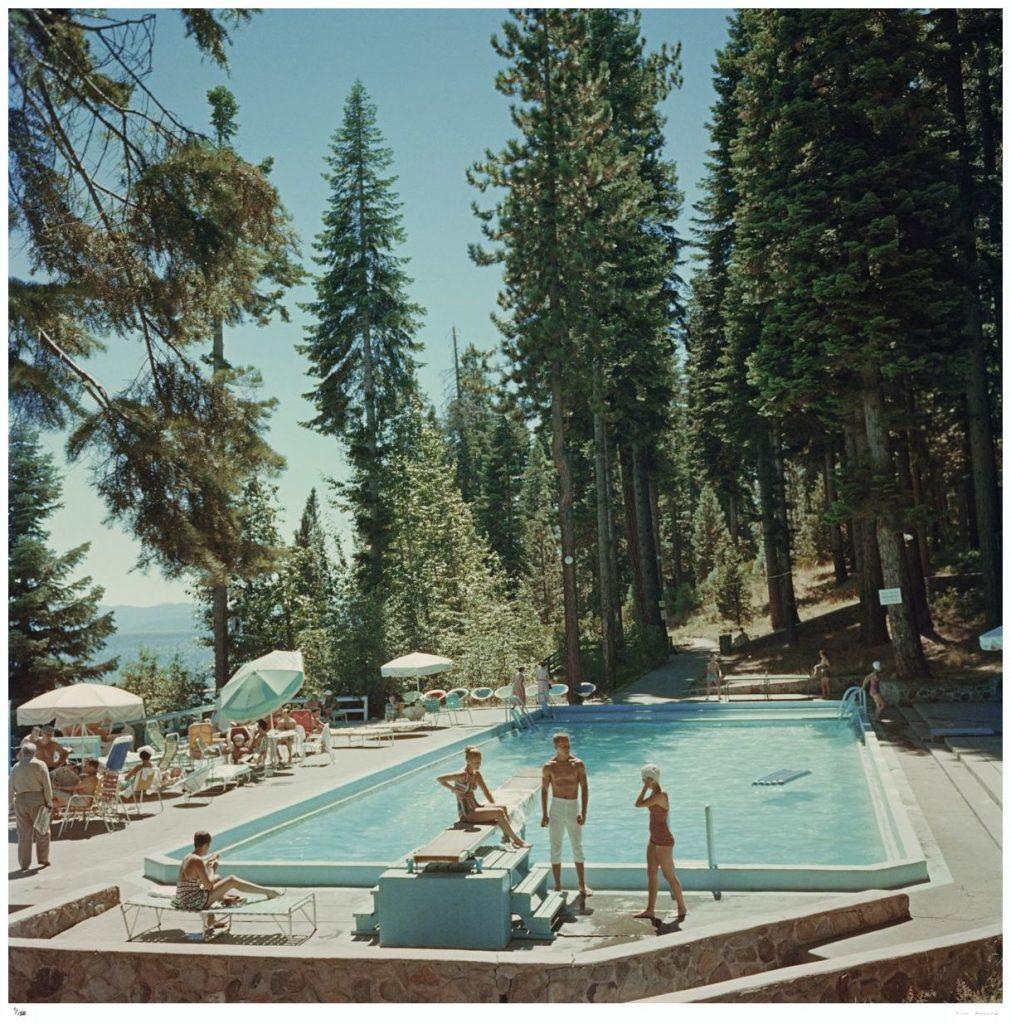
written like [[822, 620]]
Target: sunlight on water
[[823, 818]]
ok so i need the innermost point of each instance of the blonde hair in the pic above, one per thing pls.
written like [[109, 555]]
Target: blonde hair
[[650, 773], [471, 752]]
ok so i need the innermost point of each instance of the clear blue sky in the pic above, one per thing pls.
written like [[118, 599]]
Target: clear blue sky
[[431, 75]]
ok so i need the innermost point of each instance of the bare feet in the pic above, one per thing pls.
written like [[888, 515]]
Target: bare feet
[[648, 914], [682, 913], [521, 844], [586, 891]]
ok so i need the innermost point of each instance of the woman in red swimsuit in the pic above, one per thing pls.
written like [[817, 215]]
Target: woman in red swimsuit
[[660, 848]]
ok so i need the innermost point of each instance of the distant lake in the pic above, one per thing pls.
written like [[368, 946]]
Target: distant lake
[[165, 630]]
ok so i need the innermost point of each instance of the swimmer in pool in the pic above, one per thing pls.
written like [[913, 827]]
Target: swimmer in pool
[[464, 785]]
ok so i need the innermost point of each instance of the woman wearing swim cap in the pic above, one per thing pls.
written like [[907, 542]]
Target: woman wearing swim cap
[[660, 848], [872, 683]]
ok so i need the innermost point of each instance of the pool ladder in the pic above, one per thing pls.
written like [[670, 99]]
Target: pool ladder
[[520, 719], [853, 707]]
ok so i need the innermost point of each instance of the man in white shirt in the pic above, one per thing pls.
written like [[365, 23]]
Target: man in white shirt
[[543, 683], [28, 790]]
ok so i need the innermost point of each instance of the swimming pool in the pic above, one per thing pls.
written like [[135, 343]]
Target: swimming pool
[[842, 827], [826, 817]]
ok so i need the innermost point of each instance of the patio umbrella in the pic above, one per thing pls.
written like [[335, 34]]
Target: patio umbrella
[[993, 641], [260, 687], [416, 664], [82, 703]]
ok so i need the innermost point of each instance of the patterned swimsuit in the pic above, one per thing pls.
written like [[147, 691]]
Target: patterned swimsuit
[[190, 896], [466, 802]]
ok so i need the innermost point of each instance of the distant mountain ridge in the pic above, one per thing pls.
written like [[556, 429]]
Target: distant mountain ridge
[[166, 629]]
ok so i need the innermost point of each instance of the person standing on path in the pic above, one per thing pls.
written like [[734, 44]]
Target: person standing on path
[[823, 673], [872, 684], [660, 848], [543, 683], [28, 791], [714, 675], [520, 686], [565, 777]]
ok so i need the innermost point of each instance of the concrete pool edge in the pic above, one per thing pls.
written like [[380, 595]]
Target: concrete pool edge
[[909, 867]]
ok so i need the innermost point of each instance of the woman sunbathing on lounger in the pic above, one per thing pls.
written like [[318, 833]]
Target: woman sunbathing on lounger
[[465, 784], [199, 886]]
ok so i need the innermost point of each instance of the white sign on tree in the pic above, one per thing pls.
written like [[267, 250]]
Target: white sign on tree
[[890, 595]]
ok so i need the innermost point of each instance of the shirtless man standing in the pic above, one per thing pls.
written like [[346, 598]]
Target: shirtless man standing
[[565, 776]]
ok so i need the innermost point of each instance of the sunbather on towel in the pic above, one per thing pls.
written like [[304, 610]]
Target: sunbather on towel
[[465, 784], [199, 886]]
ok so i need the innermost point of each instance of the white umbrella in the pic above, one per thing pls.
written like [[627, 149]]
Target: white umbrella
[[993, 641], [416, 664], [260, 687], [80, 704]]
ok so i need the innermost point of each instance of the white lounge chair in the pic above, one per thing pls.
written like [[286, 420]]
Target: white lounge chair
[[556, 693], [281, 910]]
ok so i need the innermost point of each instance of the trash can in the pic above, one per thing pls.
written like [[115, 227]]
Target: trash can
[[726, 643]]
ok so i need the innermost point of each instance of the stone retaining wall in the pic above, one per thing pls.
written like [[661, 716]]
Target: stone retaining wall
[[56, 971], [902, 693], [44, 921], [932, 968]]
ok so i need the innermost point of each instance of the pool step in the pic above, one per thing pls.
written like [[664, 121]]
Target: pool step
[[367, 921], [983, 760], [514, 861], [540, 924], [529, 893]]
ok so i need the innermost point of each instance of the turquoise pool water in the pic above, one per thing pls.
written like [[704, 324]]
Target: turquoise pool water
[[824, 818]]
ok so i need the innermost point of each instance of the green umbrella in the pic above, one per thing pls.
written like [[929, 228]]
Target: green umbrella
[[260, 687]]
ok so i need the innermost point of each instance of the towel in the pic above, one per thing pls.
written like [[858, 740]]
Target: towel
[[42, 818]]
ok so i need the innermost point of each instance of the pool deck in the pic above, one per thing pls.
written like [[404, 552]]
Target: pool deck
[[955, 819]]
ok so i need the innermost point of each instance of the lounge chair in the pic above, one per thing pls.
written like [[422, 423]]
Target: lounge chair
[[107, 804], [481, 694], [153, 736], [434, 695], [144, 782], [586, 690], [503, 694], [455, 707], [436, 709], [116, 758], [367, 734], [281, 910], [170, 768], [321, 743]]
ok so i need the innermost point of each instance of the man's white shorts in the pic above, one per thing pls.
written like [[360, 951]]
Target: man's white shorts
[[562, 817]]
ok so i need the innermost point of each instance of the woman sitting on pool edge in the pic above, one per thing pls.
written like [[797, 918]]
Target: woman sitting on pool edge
[[660, 848], [198, 885], [465, 784]]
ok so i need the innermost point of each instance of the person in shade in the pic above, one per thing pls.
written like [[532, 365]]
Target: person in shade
[[660, 848], [823, 673], [464, 786], [564, 776], [28, 791], [198, 885], [872, 684], [48, 751]]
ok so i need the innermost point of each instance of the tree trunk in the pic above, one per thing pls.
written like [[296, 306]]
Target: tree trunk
[[644, 529], [631, 526], [219, 591], [968, 528], [560, 454], [612, 534], [733, 519], [834, 530], [980, 427], [604, 561], [873, 628], [654, 515], [914, 567], [909, 660], [766, 501], [789, 601]]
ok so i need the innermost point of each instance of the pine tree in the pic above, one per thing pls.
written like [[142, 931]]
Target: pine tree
[[149, 240], [728, 584], [470, 417], [540, 536], [500, 512], [360, 346], [848, 242], [447, 592], [54, 629], [709, 532]]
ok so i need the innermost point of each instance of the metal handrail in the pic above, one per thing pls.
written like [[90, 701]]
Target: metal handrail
[[854, 701]]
